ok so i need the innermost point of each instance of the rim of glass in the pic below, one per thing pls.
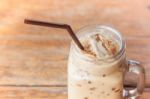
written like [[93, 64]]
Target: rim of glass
[[87, 27]]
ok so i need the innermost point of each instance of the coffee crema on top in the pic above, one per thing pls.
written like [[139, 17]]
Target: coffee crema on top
[[100, 46]]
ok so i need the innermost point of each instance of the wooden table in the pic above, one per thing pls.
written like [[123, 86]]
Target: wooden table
[[33, 60]]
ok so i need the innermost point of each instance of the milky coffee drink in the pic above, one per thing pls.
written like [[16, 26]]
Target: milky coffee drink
[[96, 72]]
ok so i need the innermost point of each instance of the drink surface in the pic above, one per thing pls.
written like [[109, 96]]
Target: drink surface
[[91, 74], [100, 45]]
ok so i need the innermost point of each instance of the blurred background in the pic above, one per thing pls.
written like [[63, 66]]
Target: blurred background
[[33, 59]]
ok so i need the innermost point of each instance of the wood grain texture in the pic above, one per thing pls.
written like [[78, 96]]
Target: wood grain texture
[[40, 93], [130, 17], [42, 64], [32, 57], [33, 93]]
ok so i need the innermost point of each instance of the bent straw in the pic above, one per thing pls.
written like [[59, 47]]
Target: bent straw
[[56, 25]]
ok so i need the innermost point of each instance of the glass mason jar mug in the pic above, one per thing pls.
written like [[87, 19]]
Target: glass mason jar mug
[[92, 78]]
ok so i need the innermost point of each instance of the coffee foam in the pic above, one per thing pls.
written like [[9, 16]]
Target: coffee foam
[[100, 45]]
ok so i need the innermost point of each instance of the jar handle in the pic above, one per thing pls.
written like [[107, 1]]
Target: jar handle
[[135, 67]]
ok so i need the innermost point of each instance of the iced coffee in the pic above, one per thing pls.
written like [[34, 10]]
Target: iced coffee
[[96, 68], [96, 72]]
